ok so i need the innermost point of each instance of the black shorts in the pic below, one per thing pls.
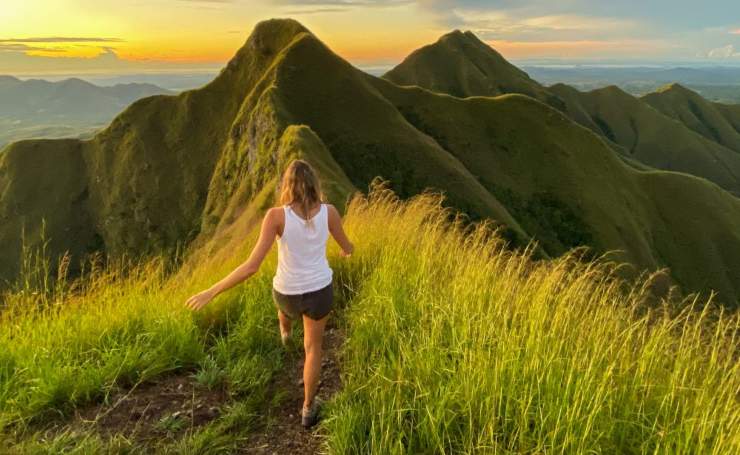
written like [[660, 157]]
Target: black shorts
[[316, 304]]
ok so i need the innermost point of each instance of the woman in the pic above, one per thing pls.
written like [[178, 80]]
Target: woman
[[302, 286]]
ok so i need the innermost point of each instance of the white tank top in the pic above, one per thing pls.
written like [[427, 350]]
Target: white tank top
[[302, 264]]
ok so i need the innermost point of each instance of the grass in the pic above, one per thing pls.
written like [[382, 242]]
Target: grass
[[654, 135], [463, 346], [172, 170], [120, 325], [462, 65], [715, 121]]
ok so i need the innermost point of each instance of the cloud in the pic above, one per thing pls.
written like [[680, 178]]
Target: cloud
[[573, 22], [724, 52], [19, 47], [298, 12], [334, 6], [735, 32], [306, 7], [106, 62], [346, 3], [57, 46], [578, 49], [61, 39], [557, 27]]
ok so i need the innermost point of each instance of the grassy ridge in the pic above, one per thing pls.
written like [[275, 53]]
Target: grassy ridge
[[121, 325], [652, 138], [567, 188], [462, 346], [461, 65], [172, 170], [717, 122]]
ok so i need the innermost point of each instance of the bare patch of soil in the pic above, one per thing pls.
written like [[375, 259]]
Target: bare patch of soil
[[162, 410], [172, 406]]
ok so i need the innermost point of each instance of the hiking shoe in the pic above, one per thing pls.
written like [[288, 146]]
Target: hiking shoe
[[310, 414]]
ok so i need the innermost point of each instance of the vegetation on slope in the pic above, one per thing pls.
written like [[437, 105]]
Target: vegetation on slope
[[171, 170], [717, 122], [462, 65], [653, 138], [463, 346], [567, 188], [69, 344], [140, 185]]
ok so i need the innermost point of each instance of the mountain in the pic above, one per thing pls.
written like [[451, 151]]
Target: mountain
[[652, 138], [717, 122], [171, 170], [37, 108], [462, 65]]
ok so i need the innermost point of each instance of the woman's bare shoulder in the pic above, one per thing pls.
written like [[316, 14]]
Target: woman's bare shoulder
[[275, 214], [333, 213]]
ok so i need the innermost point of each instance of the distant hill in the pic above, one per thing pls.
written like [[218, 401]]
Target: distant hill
[[717, 83], [171, 169], [717, 122], [72, 107], [651, 137], [461, 65]]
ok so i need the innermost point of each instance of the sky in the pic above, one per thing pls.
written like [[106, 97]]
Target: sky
[[119, 36]]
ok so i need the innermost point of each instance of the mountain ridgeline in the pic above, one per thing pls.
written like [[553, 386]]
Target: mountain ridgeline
[[173, 169], [36, 108], [460, 65]]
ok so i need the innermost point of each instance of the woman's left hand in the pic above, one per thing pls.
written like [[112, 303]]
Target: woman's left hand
[[199, 300]]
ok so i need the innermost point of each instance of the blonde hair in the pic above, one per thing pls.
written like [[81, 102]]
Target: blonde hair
[[300, 185]]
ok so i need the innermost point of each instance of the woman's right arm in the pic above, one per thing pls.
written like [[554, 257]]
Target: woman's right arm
[[337, 231], [269, 230]]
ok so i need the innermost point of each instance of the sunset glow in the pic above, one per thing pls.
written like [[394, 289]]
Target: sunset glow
[[50, 35]]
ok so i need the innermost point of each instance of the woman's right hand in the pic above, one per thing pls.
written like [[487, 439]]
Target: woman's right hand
[[199, 300]]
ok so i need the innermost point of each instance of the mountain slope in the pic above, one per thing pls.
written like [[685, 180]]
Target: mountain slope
[[461, 65], [566, 187], [716, 122], [652, 138], [170, 169], [144, 180]]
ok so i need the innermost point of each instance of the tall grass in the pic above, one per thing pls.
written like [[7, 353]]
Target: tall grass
[[459, 346], [454, 345], [68, 344]]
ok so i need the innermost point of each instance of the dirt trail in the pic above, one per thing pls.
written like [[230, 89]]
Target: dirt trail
[[174, 405], [152, 412], [282, 432]]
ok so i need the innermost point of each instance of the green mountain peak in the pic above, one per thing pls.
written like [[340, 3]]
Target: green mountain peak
[[183, 170]]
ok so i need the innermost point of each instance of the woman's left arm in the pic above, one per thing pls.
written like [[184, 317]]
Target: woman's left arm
[[268, 232]]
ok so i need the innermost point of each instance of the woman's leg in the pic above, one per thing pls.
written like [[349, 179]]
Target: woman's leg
[[313, 337], [285, 324]]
